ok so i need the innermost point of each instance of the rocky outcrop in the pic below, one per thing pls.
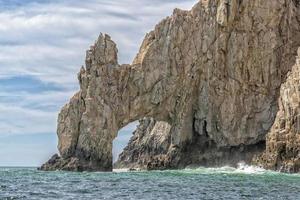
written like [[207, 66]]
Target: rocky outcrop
[[210, 78], [68, 164], [283, 141]]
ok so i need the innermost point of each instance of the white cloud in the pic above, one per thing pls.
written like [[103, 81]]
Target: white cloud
[[39, 37], [26, 113], [48, 41], [16, 120]]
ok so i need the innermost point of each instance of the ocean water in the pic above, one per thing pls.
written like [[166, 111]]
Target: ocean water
[[227, 183]]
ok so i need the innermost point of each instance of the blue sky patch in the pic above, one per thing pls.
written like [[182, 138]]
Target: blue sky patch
[[19, 150], [27, 84], [7, 4]]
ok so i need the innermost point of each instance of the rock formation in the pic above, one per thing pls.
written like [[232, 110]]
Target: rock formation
[[283, 141], [205, 85]]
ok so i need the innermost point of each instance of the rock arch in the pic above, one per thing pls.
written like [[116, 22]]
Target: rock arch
[[112, 95], [212, 73]]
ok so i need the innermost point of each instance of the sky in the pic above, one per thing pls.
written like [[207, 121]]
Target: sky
[[42, 47]]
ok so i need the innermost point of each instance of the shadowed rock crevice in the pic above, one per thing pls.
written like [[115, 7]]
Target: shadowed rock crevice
[[150, 148], [206, 81]]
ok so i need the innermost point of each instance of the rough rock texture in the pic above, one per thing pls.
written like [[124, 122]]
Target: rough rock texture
[[283, 141], [68, 164], [149, 148], [210, 77]]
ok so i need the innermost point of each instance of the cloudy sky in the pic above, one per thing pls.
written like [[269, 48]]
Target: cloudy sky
[[42, 46]]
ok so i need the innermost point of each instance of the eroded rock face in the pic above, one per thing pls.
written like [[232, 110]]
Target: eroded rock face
[[210, 78], [148, 148], [283, 141]]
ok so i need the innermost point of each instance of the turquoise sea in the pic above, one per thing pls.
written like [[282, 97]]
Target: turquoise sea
[[203, 183]]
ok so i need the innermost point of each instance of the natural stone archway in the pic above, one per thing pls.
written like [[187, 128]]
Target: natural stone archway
[[212, 73], [89, 123]]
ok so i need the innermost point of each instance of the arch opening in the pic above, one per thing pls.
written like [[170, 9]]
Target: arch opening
[[122, 139], [148, 142]]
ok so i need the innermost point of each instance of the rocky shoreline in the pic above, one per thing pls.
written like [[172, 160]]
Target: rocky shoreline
[[212, 86]]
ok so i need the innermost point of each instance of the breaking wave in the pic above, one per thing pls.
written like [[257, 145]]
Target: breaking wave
[[242, 168]]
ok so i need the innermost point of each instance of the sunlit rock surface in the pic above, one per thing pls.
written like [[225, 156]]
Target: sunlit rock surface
[[205, 85], [283, 140]]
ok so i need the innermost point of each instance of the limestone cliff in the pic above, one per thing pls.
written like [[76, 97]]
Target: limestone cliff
[[207, 81]]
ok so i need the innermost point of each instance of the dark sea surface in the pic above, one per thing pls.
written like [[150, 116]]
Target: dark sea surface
[[203, 183]]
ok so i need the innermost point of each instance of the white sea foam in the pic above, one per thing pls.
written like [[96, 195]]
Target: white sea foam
[[126, 170], [249, 169], [242, 168], [121, 170]]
